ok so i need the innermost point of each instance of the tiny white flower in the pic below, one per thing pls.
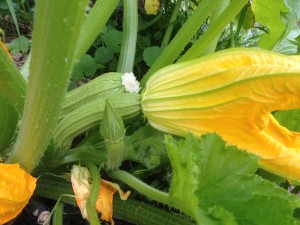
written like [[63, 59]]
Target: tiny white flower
[[130, 83]]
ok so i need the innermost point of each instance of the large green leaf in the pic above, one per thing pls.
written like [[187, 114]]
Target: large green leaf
[[287, 43], [211, 176], [268, 13], [8, 122]]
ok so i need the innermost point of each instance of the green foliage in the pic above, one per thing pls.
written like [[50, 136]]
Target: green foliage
[[209, 174], [8, 122], [210, 182], [268, 14], [86, 67], [289, 119], [288, 43], [19, 44], [151, 54]]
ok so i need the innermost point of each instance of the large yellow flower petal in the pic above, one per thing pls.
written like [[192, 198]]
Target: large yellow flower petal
[[16, 188], [232, 93]]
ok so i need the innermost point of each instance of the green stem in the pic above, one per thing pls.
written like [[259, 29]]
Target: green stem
[[187, 8], [140, 186], [58, 214], [169, 30], [214, 29], [93, 196], [94, 23], [189, 29], [217, 12], [129, 36], [241, 21], [232, 44], [56, 33]]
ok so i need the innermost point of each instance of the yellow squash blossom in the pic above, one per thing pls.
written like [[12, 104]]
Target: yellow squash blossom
[[80, 177], [232, 93], [16, 188]]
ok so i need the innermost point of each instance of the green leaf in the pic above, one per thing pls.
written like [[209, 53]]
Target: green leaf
[[289, 119], [86, 67], [287, 43], [113, 40], [268, 13], [8, 122], [151, 54], [12, 84], [185, 157], [20, 44], [209, 174], [104, 55]]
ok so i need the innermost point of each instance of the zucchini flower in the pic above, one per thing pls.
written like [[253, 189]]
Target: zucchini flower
[[80, 178], [232, 93], [16, 187]]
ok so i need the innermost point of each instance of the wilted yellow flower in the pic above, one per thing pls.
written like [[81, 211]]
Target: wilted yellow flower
[[80, 178], [232, 93], [104, 204], [16, 188]]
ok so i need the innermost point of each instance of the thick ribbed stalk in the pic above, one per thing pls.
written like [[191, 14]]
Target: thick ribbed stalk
[[56, 33], [214, 30], [129, 35], [94, 23], [189, 29]]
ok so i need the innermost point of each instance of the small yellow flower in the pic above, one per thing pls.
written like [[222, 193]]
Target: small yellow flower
[[16, 188], [232, 93], [152, 6]]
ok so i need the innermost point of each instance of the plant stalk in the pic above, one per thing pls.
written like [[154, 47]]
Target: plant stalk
[[182, 38], [140, 186], [56, 33], [214, 29], [129, 36]]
